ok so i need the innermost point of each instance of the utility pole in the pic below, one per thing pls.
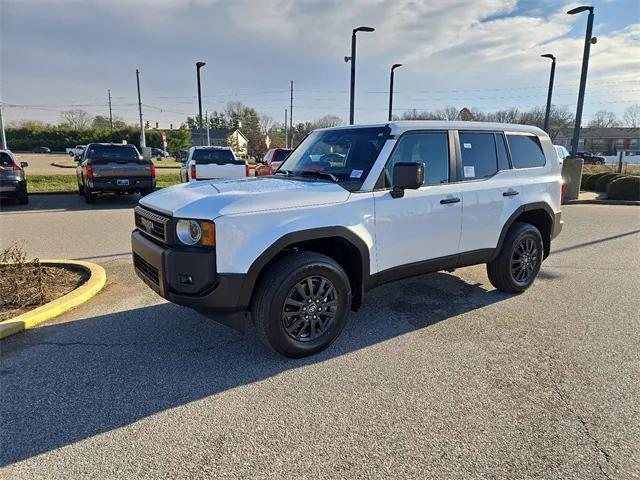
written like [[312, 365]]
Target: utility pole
[[291, 117], [3, 138], [286, 130], [110, 113], [206, 119], [143, 142]]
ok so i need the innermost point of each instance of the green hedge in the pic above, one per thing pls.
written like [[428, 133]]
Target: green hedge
[[583, 181], [591, 181], [59, 138], [602, 182], [624, 188]]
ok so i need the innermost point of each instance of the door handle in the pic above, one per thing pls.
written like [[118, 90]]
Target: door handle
[[446, 201], [510, 193]]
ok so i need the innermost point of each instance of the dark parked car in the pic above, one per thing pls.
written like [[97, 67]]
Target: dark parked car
[[41, 150], [13, 181], [115, 168], [591, 159], [158, 152]]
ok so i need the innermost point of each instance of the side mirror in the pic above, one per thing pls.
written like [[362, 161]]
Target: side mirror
[[407, 175], [24, 164]]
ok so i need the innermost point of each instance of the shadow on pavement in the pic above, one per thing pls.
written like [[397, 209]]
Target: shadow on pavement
[[66, 382], [70, 201]]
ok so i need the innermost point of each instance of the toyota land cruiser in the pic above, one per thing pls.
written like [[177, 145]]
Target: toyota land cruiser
[[352, 208]]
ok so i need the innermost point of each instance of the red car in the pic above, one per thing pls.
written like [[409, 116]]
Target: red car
[[272, 160]]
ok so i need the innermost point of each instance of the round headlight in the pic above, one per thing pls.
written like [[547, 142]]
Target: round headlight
[[188, 232]]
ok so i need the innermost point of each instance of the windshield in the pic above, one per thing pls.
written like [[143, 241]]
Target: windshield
[[209, 156], [346, 154], [112, 153]]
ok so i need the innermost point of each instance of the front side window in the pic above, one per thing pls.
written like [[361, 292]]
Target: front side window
[[479, 155], [344, 155], [526, 151], [429, 148]]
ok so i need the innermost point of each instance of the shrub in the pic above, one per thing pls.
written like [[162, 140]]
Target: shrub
[[591, 181], [602, 182], [584, 180], [624, 188]]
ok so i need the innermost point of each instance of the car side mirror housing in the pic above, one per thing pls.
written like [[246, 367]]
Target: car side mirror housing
[[407, 175], [24, 164]]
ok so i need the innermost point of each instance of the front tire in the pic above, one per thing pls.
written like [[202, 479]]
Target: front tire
[[301, 304], [518, 263]]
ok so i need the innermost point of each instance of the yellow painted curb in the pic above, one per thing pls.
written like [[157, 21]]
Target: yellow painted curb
[[97, 280]]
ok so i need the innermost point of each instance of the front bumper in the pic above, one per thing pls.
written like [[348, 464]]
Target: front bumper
[[187, 276], [111, 184]]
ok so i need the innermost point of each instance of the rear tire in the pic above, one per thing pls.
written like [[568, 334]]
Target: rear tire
[[80, 189], [89, 197], [301, 303], [518, 263]]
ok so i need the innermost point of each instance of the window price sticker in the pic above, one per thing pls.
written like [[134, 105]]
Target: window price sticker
[[356, 173], [469, 172]]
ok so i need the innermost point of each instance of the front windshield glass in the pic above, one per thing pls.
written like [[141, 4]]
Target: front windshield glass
[[346, 154]]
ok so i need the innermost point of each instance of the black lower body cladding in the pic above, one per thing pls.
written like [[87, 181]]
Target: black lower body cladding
[[121, 184], [187, 276]]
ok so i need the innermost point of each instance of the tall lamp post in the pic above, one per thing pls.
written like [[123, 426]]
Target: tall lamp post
[[547, 112], [199, 65], [393, 67], [588, 40], [353, 68]]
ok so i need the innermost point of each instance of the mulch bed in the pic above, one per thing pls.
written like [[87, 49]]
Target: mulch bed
[[27, 285]]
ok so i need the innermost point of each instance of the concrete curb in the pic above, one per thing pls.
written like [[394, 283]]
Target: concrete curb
[[59, 165], [602, 202], [97, 280]]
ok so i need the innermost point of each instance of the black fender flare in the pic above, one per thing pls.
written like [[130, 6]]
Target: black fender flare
[[292, 238], [519, 211]]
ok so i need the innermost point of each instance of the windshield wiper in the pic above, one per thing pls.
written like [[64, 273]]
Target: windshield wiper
[[315, 173], [288, 173]]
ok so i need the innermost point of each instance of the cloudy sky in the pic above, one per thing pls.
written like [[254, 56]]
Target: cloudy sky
[[60, 55]]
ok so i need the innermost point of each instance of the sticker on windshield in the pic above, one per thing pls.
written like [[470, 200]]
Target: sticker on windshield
[[469, 172], [356, 173], [467, 145]]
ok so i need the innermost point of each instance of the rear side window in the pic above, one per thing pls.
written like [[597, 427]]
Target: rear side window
[[5, 160], [112, 153], [206, 156], [280, 155], [479, 156], [526, 151]]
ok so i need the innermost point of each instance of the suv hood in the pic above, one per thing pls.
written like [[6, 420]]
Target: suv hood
[[209, 199]]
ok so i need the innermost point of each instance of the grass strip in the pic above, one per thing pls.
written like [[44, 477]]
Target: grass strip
[[68, 183]]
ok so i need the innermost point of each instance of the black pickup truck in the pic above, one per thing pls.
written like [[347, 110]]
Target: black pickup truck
[[116, 168]]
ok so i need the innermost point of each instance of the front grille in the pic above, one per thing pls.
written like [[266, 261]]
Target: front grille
[[152, 224], [146, 268]]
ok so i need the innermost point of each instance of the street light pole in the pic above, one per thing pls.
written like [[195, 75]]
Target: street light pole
[[547, 113], [353, 69], [199, 65], [393, 67], [588, 40]]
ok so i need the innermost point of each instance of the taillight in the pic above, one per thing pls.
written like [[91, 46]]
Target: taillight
[[153, 170], [247, 172], [17, 167], [193, 172], [89, 170]]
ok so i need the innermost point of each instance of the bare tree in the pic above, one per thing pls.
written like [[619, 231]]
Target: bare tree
[[328, 121], [632, 116], [266, 123], [78, 119], [604, 119], [447, 113]]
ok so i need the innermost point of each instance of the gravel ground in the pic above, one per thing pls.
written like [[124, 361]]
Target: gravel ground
[[435, 377]]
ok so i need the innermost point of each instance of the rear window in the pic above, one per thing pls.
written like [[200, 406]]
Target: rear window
[[5, 159], [280, 155], [479, 157], [526, 151], [112, 153], [205, 156]]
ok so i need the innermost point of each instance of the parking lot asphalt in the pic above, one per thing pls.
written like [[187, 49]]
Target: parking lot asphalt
[[437, 376]]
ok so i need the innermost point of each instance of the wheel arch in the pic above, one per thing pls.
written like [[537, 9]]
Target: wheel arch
[[338, 243], [538, 214]]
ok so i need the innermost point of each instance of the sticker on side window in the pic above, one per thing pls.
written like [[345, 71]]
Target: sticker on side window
[[467, 145], [469, 172], [356, 173]]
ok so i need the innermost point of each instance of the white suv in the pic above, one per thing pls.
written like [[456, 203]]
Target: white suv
[[352, 208], [206, 163]]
